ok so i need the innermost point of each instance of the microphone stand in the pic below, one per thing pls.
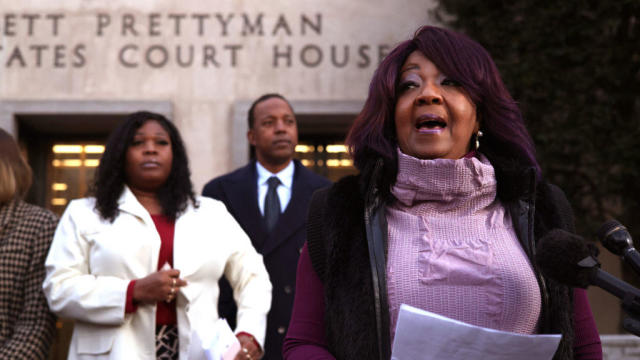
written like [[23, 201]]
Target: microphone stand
[[616, 238], [629, 295], [631, 307]]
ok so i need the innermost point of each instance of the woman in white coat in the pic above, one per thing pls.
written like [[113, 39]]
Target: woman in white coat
[[137, 264]]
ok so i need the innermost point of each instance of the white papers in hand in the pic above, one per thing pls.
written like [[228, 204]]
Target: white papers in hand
[[424, 335], [216, 342]]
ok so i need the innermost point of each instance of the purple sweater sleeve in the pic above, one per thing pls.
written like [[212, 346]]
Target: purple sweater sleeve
[[586, 345], [305, 339]]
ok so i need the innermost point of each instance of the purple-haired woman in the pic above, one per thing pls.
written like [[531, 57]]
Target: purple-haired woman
[[444, 215]]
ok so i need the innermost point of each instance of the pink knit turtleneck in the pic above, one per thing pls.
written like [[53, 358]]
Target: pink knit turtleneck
[[452, 248]]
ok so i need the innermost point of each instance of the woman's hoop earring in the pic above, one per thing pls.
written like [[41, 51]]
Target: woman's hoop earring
[[478, 136]]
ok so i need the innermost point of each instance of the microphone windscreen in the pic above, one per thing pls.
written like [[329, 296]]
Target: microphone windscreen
[[558, 255]]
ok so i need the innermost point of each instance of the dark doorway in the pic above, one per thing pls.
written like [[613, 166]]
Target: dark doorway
[[321, 144], [63, 151]]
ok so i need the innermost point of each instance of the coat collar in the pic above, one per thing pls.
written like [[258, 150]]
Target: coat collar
[[515, 180], [294, 216], [130, 204], [242, 191], [6, 212], [285, 175]]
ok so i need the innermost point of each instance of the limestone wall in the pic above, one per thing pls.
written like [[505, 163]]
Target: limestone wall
[[201, 56]]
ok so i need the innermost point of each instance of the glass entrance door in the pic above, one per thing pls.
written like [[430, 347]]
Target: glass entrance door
[[326, 157], [71, 167]]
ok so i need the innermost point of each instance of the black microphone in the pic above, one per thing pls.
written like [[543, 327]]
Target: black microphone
[[615, 237], [568, 259]]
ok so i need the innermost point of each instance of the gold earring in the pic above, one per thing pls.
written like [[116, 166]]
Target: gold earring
[[478, 136]]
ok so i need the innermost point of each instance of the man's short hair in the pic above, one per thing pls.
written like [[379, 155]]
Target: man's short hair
[[251, 115]]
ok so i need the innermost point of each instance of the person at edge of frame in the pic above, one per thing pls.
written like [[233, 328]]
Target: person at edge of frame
[[26, 231], [444, 215]]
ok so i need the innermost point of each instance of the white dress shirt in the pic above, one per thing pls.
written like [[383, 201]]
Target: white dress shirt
[[284, 189]]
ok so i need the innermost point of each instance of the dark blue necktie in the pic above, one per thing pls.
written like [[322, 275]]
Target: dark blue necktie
[[272, 203]]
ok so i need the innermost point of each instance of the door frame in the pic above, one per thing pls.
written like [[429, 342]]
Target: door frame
[[11, 109], [239, 124]]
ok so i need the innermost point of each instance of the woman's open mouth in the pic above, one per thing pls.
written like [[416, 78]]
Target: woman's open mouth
[[429, 124]]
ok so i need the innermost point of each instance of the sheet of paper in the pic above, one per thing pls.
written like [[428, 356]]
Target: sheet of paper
[[427, 336], [214, 342], [228, 344]]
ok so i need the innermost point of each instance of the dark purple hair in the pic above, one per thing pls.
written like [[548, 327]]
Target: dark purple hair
[[373, 133]]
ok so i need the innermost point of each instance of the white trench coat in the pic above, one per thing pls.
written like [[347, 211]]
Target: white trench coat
[[92, 261]]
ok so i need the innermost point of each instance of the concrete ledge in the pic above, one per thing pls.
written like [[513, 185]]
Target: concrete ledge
[[10, 108], [620, 347]]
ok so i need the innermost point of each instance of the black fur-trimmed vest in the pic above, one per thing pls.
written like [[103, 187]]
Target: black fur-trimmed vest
[[346, 241]]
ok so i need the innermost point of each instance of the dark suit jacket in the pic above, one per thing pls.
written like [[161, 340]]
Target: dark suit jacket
[[239, 192], [26, 324]]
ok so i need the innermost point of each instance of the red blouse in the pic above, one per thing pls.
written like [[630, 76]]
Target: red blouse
[[166, 312]]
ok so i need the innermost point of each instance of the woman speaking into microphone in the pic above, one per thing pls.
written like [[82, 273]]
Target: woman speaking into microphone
[[444, 215]]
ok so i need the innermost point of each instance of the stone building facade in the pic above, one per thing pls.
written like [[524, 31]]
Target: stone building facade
[[69, 71]]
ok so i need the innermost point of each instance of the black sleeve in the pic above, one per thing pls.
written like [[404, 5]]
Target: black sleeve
[[315, 231]]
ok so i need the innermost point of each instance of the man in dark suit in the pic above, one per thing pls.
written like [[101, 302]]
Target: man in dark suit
[[269, 199]]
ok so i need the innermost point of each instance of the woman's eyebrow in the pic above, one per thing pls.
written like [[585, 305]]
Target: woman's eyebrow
[[409, 67]]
